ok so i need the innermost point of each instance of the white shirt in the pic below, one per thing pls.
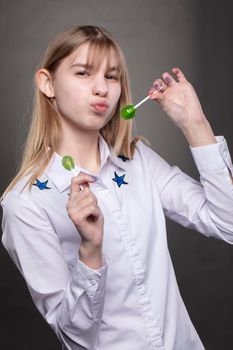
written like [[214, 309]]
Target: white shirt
[[132, 302]]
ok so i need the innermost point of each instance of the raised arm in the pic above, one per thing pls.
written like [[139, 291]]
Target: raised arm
[[206, 205], [179, 100]]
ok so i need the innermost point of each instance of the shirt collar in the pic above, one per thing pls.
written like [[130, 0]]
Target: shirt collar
[[61, 177]]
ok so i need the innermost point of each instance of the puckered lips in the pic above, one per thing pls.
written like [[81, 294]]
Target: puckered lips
[[100, 106]]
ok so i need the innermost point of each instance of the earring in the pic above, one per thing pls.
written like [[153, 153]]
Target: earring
[[51, 99]]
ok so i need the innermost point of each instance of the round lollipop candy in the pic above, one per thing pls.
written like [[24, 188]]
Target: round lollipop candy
[[68, 164], [129, 111]]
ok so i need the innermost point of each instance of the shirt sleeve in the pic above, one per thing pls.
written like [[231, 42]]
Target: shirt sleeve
[[71, 302], [205, 206]]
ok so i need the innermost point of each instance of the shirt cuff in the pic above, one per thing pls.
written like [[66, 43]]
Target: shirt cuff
[[88, 279], [214, 157]]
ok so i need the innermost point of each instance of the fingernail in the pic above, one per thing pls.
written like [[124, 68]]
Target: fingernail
[[93, 178], [168, 80], [157, 86]]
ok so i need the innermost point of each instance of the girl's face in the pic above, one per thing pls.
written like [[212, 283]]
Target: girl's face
[[85, 97]]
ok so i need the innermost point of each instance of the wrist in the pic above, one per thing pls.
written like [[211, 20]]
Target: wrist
[[90, 256], [199, 134]]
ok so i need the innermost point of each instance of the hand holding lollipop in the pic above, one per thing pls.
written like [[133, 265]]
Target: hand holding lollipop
[[68, 164], [86, 215], [129, 111], [179, 100]]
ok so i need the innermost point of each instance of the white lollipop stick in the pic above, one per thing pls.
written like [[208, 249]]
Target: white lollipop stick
[[145, 99], [75, 174], [142, 101]]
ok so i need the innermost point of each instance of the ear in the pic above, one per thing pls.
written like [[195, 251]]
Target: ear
[[44, 82]]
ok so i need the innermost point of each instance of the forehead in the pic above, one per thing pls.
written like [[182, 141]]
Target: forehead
[[94, 55]]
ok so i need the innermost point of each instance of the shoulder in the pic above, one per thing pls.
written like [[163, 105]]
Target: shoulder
[[142, 149], [17, 193], [19, 203], [22, 196], [147, 155], [157, 167], [24, 214]]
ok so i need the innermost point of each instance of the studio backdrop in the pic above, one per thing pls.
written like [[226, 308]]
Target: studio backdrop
[[155, 36]]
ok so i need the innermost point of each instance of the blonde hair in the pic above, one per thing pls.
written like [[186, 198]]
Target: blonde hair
[[45, 127]]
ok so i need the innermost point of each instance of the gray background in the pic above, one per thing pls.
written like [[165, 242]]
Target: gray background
[[155, 36]]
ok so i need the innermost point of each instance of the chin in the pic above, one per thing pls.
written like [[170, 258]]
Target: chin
[[94, 126]]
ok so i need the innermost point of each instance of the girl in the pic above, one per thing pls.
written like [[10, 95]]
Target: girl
[[92, 248]]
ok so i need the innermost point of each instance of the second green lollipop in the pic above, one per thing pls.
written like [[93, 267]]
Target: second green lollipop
[[68, 163]]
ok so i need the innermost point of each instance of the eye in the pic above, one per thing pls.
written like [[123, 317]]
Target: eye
[[82, 73], [111, 77]]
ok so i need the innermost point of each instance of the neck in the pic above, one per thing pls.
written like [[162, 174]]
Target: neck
[[82, 146]]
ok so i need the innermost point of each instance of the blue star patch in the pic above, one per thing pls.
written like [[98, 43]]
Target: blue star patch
[[124, 158], [42, 185], [119, 179]]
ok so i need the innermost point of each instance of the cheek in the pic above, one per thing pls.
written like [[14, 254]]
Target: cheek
[[116, 94], [68, 93], [62, 88], [115, 99]]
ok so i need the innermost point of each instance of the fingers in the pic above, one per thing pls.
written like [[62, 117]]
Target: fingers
[[89, 213], [83, 207], [158, 87], [86, 214], [169, 80], [78, 183], [80, 195], [82, 200], [162, 84], [179, 75]]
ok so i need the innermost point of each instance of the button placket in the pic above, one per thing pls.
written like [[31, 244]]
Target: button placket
[[138, 273], [144, 303], [141, 290]]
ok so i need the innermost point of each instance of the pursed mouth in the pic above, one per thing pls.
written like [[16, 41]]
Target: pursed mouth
[[100, 107]]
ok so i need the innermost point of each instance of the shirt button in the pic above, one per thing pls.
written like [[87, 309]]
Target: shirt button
[[92, 282], [141, 290], [118, 215], [137, 268], [148, 316], [225, 154]]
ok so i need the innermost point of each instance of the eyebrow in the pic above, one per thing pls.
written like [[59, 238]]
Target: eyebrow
[[84, 65], [79, 65]]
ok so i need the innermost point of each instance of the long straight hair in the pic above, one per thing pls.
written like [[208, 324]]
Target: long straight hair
[[45, 127]]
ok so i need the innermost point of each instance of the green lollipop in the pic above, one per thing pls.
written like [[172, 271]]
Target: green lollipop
[[129, 111], [68, 163]]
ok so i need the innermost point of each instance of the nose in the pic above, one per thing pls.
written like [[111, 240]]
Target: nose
[[100, 86]]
